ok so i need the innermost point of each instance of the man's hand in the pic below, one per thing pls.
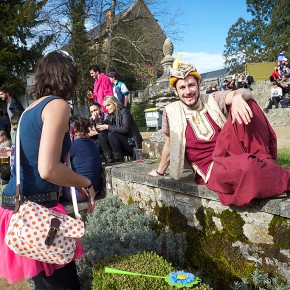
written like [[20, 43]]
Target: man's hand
[[241, 112]]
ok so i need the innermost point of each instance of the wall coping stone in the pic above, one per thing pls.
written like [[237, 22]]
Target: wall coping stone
[[137, 172]]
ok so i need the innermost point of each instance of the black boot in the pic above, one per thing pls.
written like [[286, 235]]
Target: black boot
[[108, 157], [118, 157]]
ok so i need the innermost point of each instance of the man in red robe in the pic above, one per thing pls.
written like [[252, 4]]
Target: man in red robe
[[234, 157]]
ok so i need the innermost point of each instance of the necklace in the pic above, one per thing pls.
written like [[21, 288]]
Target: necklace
[[199, 122]]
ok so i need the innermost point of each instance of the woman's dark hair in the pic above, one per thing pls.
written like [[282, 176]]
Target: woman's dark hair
[[81, 125], [96, 104], [55, 75], [4, 90]]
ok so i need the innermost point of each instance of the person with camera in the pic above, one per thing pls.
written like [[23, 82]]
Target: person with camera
[[97, 117], [119, 134]]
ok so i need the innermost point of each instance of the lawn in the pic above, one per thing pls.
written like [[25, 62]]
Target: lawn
[[283, 158]]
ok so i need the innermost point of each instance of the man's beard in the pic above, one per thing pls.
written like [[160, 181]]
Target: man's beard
[[192, 105]]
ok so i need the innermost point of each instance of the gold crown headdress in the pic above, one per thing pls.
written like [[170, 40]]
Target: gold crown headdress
[[181, 70]]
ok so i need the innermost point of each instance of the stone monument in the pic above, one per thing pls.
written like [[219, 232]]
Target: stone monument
[[159, 94]]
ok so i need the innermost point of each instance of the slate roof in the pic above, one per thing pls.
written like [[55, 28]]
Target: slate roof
[[221, 73]]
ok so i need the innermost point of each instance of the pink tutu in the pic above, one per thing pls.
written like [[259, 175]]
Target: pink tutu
[[17, 268]]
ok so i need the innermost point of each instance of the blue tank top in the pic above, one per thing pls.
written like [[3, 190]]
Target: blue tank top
[[30, 133]]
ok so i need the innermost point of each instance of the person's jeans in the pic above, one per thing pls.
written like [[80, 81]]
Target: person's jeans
[[115, 142], [274, 101]]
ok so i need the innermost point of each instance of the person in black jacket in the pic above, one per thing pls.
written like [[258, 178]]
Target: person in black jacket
[[119, 134]]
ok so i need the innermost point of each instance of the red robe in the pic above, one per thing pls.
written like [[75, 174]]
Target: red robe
[[244, 162]]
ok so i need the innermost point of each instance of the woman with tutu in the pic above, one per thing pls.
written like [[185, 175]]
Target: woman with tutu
[[45, 141]]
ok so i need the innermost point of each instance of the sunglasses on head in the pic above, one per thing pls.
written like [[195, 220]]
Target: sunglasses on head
[[61, 52]]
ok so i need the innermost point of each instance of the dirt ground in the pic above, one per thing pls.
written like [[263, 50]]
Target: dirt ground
[[20, 286], [283, 137]]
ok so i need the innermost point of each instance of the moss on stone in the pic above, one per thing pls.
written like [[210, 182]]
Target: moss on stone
[[171, 216], [232, 223], [279, 229], [130, 201], [211, 249]]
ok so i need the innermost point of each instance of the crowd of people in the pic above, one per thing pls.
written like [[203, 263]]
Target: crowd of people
[[108, 136], [113, 127], [236, 82], [280, 79]]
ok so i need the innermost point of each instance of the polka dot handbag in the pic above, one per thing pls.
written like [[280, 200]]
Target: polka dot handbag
[[39, 233], [42, 234]]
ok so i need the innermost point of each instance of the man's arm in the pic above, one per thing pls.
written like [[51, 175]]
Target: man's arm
[[240, 110], [107, 87], [126, 100], [165, 159]]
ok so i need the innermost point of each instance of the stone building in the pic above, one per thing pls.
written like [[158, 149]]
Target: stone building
[[136, 44]]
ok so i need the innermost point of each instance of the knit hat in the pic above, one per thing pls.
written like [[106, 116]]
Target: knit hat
[[112, 74], [181, 70]]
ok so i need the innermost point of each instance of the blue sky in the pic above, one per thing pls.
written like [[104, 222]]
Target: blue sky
[[205, 25]]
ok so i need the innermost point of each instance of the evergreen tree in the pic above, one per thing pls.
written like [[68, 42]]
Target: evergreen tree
[[20, 42], [78, 47], [260, 38]]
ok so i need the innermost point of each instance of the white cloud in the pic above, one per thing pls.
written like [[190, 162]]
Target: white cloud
[[204, 62]]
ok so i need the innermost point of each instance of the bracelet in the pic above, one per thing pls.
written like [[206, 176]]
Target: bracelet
[[161, 174], [87, 188]]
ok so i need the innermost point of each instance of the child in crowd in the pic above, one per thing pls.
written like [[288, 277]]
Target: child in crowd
[[4, 141], [85, 160]]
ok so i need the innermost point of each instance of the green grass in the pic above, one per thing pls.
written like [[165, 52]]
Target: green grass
[[283, 158]]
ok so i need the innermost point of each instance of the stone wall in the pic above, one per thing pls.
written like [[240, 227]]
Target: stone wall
[[233, 241], [226, 242]]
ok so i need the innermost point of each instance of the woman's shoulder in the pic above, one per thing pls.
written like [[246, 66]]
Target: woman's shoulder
[[56, 106], [44, 101]]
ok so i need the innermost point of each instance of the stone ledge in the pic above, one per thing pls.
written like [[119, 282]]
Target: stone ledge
[[134, 172]]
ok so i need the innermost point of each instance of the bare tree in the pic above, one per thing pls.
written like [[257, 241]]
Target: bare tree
[[95, 31]]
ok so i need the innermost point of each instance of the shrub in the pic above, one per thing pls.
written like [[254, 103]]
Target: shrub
[[144, 263], [137, 110], [260, 280], [117, 229]]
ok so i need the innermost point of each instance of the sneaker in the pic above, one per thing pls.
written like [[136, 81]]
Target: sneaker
[[266, 110]]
